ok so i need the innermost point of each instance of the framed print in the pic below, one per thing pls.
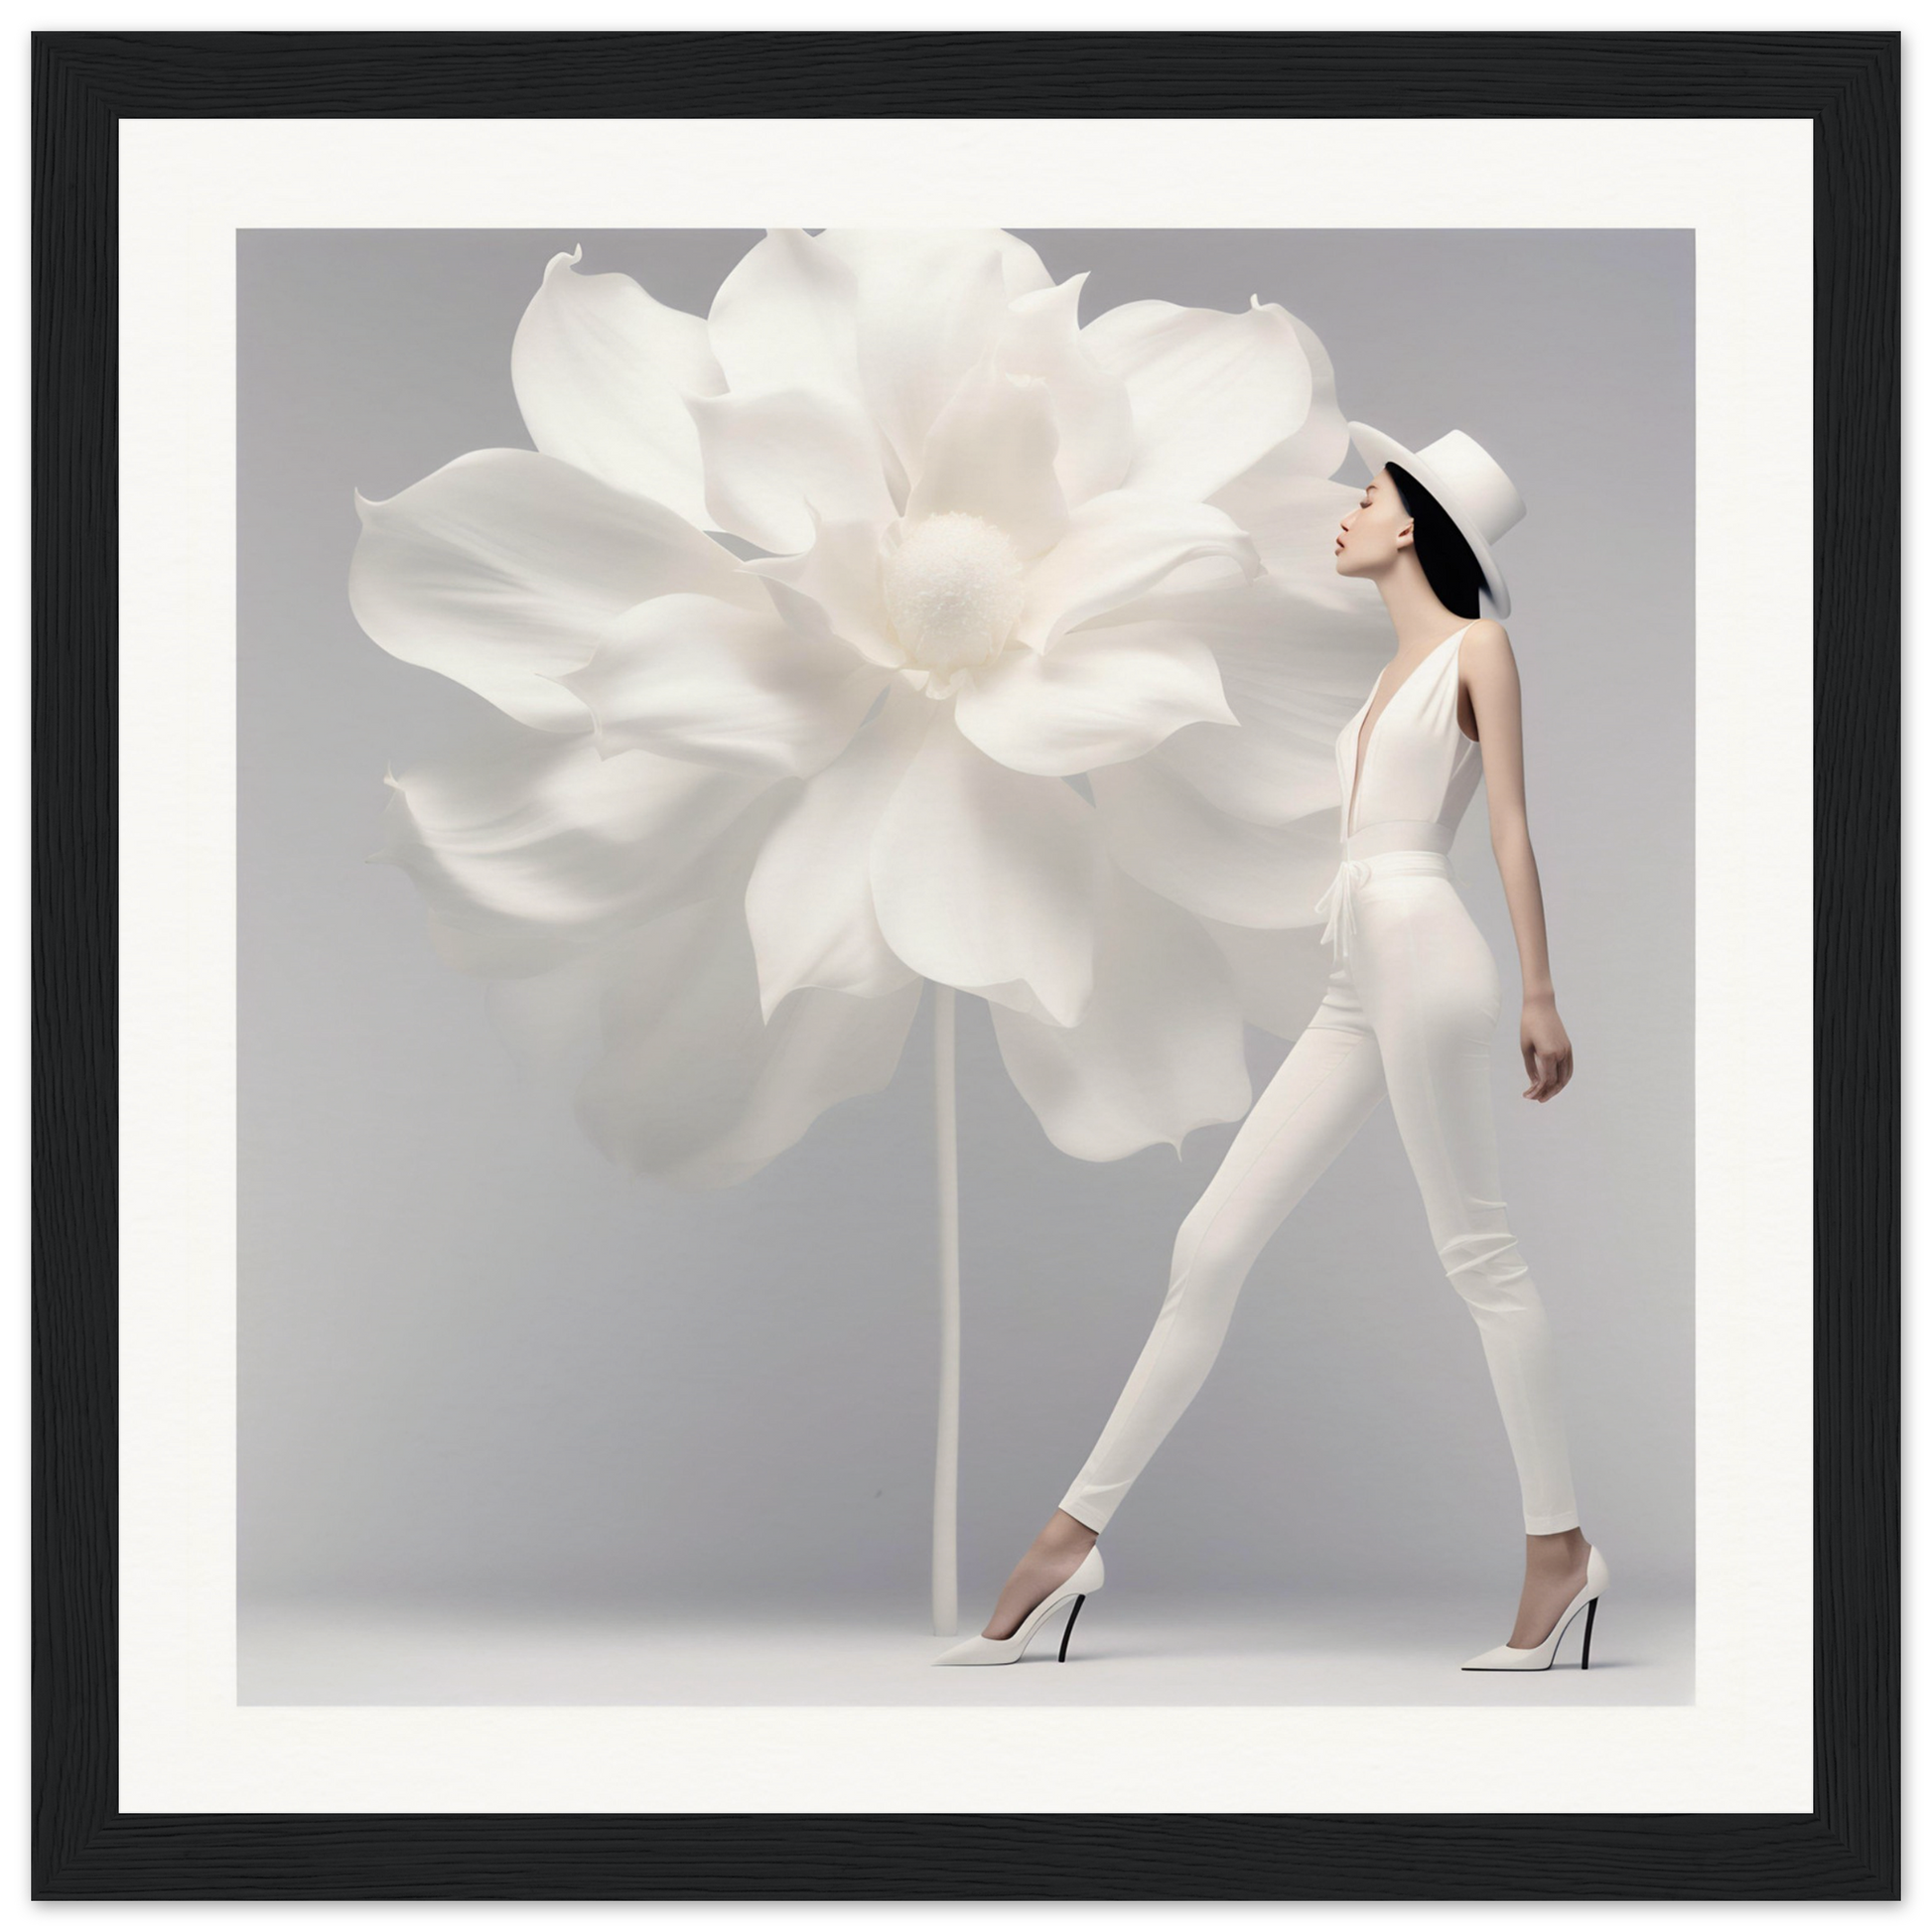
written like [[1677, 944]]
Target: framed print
[[781, 848]]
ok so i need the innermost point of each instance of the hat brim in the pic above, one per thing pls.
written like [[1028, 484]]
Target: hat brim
[[1378, 449]]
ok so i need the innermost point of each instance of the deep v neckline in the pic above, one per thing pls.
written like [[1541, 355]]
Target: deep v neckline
[[1363, 737]]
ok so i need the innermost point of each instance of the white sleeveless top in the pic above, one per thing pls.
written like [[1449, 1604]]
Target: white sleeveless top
[[1419, 764], [1418, 774]]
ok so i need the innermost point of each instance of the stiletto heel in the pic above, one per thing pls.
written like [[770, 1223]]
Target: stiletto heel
[[1597, 1577], [1075, 1612], [1087, 1577]]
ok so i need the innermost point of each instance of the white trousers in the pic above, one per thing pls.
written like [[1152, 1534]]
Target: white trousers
[[1409, 1011]]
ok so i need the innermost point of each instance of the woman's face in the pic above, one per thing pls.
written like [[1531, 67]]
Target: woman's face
[[1374, 531]]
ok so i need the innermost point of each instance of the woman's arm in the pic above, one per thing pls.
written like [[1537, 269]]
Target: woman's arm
[[1496, 695]]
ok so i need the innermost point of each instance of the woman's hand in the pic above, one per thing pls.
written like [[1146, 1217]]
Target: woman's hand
[[1546, 1057]]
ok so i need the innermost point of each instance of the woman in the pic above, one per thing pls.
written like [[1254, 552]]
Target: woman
[[1408, 1011]]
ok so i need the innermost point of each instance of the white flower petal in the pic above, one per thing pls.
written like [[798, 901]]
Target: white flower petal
[[1280, 974], [691, 1086], [809, 902], [839, 575], [823, 1047], [528, 851], [1169, 838], [601, 369], [990, 454], [768, 455], [985, 878], [1117, 546], [1102, 694], [1212, 392], [1294, 519], [929, 304], [499, 569], [1040, 335], [695, 678], [1294, 672], [549, 1021], [785, 318], [1318, 447], [1160, 1048], [1021, 264]]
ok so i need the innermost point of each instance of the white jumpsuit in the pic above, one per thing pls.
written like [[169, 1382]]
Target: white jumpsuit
[[1409, 1011]]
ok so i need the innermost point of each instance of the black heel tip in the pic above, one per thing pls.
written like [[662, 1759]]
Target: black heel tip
[[1068, 1631]]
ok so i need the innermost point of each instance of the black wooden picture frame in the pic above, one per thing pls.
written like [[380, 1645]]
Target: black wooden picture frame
[[1849, 1847]]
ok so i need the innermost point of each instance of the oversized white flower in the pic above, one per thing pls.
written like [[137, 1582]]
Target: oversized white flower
[[885, 624]]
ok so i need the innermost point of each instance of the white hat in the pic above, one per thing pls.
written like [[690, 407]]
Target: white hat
[[1468, 482]]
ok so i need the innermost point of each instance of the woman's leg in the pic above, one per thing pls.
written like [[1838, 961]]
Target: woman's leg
[[1429, 982], [1323, 1092]]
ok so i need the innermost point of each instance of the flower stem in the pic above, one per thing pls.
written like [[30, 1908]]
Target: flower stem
[[945, 1481]]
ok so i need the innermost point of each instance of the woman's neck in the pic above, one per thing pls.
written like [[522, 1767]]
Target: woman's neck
[[1421, 618]]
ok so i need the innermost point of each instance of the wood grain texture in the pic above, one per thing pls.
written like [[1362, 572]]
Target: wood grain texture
[[1848, 85]]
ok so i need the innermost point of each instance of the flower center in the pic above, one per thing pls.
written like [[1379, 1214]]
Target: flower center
[[953, 592]]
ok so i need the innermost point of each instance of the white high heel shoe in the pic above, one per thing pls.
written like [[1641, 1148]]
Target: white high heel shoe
[[1596, 1575], [1085, 1579]]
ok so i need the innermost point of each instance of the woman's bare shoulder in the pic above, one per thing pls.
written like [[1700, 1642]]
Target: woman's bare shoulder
[[1486, 642]]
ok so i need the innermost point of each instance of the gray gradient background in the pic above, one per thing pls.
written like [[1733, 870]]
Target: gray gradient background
[[479, 1367]]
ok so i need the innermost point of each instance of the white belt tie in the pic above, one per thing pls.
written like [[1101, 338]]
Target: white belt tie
[[1391, 835], [1338, 902]]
